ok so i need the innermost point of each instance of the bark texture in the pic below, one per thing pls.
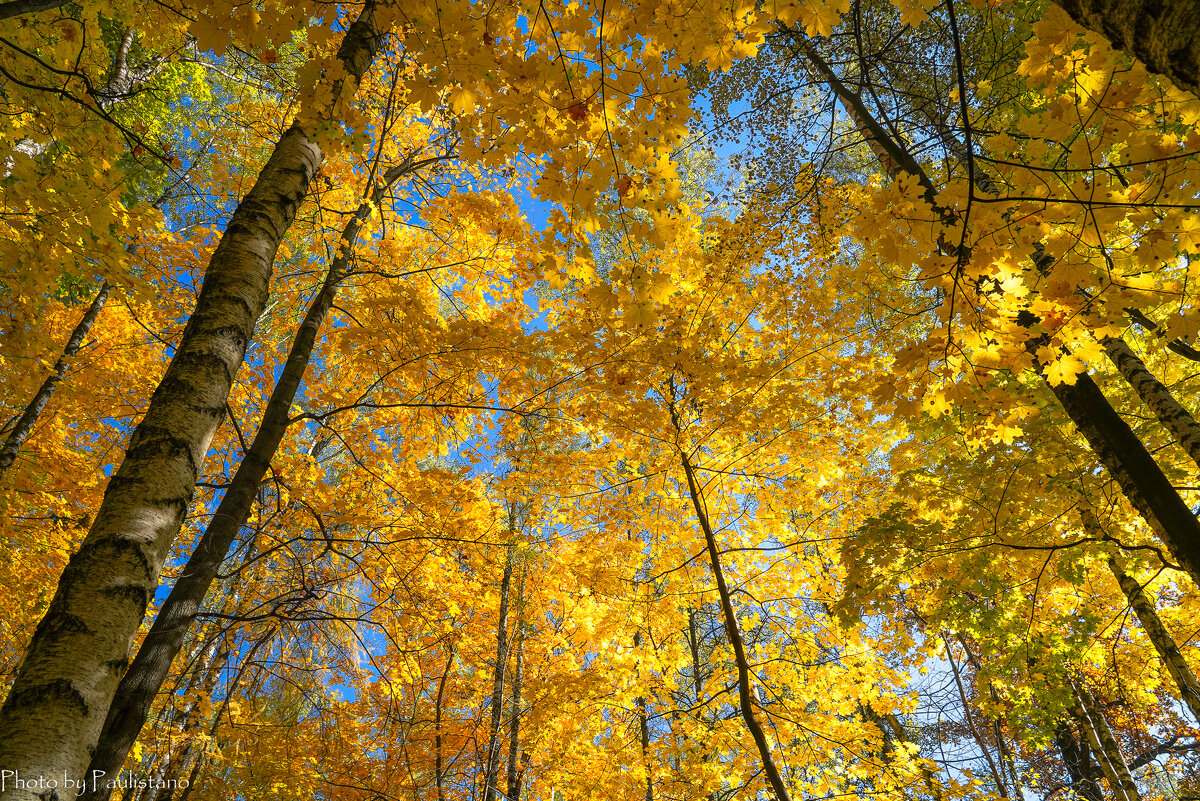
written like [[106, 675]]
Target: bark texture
[[1133, 467], [24, 425], [1163, 34], [16, 8], [1169, 411], [1164, 643], [1077, 758], [141, 683], [1095, 728], [54, 713]]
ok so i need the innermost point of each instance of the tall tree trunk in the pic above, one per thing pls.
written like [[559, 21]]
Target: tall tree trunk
[[1116, 447], [52, 718], [1165, 36], [746, 699], [515, 770], [15, 8], [141, 683], [969, 717], [1095, 728], [491, 773], [1168, 651], [24, 425], [1136, 472], [439, 770]]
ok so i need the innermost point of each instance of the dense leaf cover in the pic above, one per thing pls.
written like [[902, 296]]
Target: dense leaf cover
[[622, 399]]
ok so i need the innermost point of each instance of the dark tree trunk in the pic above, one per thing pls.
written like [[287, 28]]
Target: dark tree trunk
[[24, 425], [1163, 34]]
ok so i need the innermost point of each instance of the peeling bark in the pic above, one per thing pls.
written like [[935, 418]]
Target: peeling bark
[[52, 718]]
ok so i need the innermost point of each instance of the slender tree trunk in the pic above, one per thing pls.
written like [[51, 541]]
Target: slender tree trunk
[[514, 717], [1108, 752], [52, 718], [1165, 36], [439, 770], [1154, 394], [746, 700], [491, 773], [1115, 445], [24, 425], [1168, 651], [1077, 759], [151, 665], [997, 777]]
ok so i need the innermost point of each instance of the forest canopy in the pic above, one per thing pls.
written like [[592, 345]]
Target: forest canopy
[[618, 399]]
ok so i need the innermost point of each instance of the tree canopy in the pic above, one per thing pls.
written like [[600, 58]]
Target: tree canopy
[[625, 399]]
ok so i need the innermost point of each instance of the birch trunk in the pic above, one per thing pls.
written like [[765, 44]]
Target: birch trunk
[[141, 683], [52, 718], [1156, 396], [1108, 752], [1168, 651], [1077, 759]]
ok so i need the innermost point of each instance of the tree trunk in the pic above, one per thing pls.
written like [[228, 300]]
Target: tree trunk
[[1177, 666], [15, 8], [491, 773], [1077, 759], [52, 718], [1110, 437], [439, 762], [746, 701], [1165, 36], [150, 666], [1155, 395], [515, 770], [24, 425], [1135, 470], [1108, 752]]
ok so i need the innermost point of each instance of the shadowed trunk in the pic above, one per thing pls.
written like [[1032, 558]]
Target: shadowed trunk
[[1115, 445], [491, 773], [1165, 36], [746, 696]]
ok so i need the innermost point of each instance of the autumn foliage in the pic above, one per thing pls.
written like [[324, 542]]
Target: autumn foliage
[[626, 400]]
